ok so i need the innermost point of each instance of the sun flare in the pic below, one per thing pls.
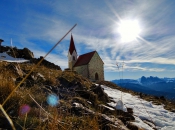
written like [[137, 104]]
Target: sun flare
[[129, 30]]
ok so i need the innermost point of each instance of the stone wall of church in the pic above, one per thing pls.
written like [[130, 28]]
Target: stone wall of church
[[82, 70], [96, 68]]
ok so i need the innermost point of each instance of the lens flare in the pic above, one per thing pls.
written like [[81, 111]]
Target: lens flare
[[24, 109], [129, 30], [52, 100]]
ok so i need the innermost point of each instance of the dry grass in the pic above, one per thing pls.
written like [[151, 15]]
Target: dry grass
[[6, 88], [83, 123], [37, 118]]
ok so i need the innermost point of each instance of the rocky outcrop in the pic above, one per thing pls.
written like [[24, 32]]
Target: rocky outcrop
[[106, 122], [102, 96], [27, 54], [45, 63], [18, 53]]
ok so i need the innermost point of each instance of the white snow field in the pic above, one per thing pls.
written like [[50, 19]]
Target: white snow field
[[143, 110], [5, 57]]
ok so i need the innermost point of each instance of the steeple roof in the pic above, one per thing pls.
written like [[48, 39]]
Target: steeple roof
[[72, 45]]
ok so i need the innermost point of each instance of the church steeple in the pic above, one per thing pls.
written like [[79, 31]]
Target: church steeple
[[72, 54], [72, 45]]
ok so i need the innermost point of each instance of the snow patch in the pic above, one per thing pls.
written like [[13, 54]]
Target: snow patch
[[143, 110], [138, 122], [5, 57]]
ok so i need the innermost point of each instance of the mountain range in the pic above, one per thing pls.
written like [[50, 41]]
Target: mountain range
[[150, 85]]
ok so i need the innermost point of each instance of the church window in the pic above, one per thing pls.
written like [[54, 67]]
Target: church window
[[73, 57]]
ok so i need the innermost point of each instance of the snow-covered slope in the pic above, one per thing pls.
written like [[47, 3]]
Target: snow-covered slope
[[5, 57], [143, 110]]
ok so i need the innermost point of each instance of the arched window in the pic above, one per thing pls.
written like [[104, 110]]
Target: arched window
[[96, 76], [73, 57]]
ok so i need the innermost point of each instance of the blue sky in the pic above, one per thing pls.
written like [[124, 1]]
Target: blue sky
[[38, 25]]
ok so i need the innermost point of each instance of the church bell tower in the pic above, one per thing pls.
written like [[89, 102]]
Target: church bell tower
[[72, 54]]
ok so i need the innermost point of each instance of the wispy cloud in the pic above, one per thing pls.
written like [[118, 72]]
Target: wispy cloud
[[96, 30]]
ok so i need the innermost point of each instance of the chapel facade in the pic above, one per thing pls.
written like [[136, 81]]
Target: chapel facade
[[89, 65]]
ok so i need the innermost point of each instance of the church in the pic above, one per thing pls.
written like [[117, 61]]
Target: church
[[89, 65]]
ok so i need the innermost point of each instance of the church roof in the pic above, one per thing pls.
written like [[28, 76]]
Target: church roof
[[84, 59], [72, 46]]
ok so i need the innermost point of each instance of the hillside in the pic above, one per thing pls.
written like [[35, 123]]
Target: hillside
[[52, 99], [79, 103], [148, 116]]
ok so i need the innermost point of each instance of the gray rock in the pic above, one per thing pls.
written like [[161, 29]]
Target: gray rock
[[27, 53]]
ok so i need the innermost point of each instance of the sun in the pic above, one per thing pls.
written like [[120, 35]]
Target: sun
[[129, 30]]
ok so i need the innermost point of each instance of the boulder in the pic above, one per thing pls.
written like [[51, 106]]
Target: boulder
[[124, 116], [102, 96], [106, 109], [27, 54], [130, 110], [88, 95], [120, 106], [18, 53]]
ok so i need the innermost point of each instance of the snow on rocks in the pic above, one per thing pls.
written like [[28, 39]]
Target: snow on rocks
[[143, 110], [139, 123], [5, 57]]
